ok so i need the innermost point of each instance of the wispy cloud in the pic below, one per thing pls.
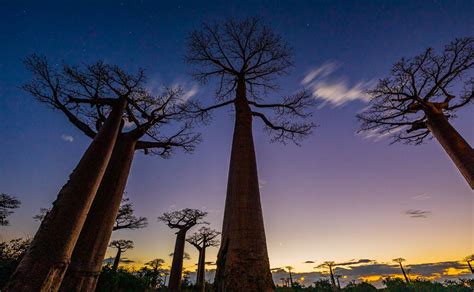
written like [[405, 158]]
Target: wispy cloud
[[415, 213], [421, 197], [67, 138], [335, 91]]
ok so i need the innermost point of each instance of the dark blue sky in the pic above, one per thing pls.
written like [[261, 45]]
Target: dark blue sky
[[334, 172]]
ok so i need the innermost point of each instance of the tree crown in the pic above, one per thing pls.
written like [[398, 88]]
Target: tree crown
[[183, 219], [429, 83]]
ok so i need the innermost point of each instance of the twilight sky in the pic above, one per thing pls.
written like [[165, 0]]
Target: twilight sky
[[340, 196]]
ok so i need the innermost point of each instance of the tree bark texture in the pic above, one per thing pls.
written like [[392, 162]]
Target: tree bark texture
[[43, 266], [242, 263], [86, 262], [460, 152]]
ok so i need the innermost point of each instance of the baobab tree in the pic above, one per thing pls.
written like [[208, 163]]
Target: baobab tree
[[469, 259], [399, 261], [201, 240], [85, 95], [420, 98], [182, 220], [290, 268], [7, 204], [330, 266], [126, 218], [41, 215], [246, 57], [122, 246], [44, 264]]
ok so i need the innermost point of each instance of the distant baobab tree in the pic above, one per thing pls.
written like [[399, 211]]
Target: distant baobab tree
[[469, 259], [290, 268], [337, 281], [245, 57], [201, 240], [421, 96], [7, 204], [86, 95], [126, 218], [330, 265], [122, 246], [182, 220], [400, 261], [43, 266]]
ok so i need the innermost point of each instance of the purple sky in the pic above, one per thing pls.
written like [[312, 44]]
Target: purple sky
[[339, 196]]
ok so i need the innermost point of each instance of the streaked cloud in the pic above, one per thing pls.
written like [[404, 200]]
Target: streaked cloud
[[421, 197], [335, 91], [67, 138], [415, 213]]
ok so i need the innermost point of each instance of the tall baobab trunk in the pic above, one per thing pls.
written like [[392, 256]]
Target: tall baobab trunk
[[177, 265], [404, 274], [117, 260], [201, 272], [89, 253], [460, 152], [291, 279], [243, 263], [43, 266]]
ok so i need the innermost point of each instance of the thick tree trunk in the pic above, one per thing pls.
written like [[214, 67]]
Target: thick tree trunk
[[43, 266], [117, 260], [242, 263], [470, 266], [177, 265], [89, 253], [201, 273], [460, 152]]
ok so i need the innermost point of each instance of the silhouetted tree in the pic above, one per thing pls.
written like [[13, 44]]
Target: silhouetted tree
[[245, 57], [469, 259], [359, 287], [290, 268], [44, 264], [85, 95], [337, 281], [155, 265], [41, 215], [7, 204], [126, 219], [323, 285], [329, 265], [201, 240], [421, 96], [122, 246], [182, 220], [400, 261], [11, 253]]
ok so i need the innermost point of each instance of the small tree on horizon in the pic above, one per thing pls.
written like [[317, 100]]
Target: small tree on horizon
[[399, 261], [122, 246], [182, 220]]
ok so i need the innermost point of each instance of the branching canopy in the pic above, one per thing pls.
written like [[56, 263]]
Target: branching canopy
[[122, 244], [126, 219], [86, 94], [204, 238], [441, 82], [183, 219], [250, 53], [156, 264], [7, 204]]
